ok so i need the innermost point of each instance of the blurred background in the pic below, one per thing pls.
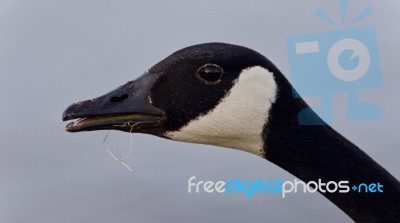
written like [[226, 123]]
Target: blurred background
[[54, 53]]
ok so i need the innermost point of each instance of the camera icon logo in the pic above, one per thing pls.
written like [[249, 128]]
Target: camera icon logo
[[345, 68], [341, 61]]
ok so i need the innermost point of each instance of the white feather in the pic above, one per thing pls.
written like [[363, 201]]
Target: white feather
[[239, 118]]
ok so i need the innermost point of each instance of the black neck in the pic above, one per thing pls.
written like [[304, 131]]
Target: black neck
[[319, 152]]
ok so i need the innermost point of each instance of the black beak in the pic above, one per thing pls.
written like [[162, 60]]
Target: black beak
[[127, 108]]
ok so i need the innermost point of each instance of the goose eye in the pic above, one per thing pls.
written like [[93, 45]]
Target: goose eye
[[210, 73]]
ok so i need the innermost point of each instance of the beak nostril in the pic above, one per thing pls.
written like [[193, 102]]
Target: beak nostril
[[116, 99]]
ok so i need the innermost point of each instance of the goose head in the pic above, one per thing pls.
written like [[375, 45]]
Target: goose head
[[214, 93]]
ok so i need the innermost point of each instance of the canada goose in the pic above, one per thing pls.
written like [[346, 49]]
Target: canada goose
[[232, 96]]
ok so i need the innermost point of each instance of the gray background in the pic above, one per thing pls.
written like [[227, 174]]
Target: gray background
[[53, 53]]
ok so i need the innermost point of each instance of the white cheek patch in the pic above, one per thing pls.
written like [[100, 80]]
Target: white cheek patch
[[239, 118]]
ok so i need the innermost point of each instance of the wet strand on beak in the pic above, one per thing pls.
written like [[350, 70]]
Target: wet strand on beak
[[55, 129], [121, 159]]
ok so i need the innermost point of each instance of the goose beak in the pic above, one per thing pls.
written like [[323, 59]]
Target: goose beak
[[127, 108]]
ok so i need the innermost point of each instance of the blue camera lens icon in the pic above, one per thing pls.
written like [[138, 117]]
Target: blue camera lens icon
[[327, 63]]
